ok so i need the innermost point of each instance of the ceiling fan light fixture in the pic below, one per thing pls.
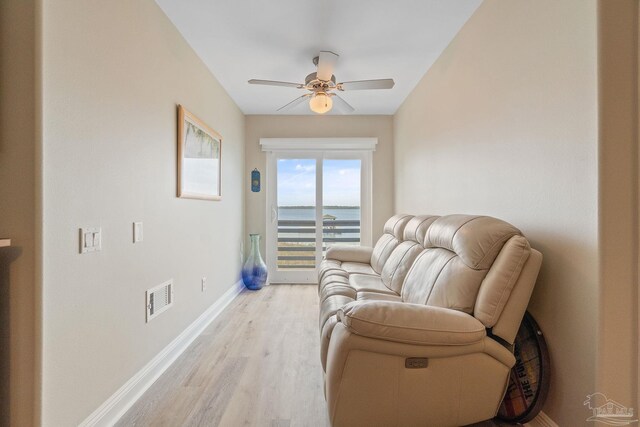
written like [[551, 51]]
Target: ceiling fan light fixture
[[321, 103], [321, 87]]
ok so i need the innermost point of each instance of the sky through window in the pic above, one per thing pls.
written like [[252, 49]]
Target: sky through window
[[297, 179]]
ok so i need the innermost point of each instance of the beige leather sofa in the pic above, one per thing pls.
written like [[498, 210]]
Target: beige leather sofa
[[417, 331]]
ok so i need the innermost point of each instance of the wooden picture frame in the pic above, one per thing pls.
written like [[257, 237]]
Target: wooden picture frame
[[199, 158]]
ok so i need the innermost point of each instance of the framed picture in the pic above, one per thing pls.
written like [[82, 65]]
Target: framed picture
[[199, 158]]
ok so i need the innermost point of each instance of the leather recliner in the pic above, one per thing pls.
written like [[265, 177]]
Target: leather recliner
[[425, 338], [344, 260]]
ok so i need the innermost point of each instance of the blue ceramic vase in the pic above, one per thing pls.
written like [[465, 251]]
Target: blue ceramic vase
[[254, 271]]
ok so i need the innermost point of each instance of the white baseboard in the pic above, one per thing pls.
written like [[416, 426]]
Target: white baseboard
[[541, 420], [119, 403]]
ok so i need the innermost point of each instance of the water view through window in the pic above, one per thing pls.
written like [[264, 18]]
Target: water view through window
[[297, 241]]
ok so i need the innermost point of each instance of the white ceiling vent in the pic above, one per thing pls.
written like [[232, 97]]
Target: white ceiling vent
[[159, 299]]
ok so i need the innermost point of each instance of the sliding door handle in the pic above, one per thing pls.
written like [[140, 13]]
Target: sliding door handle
[[274, 214]]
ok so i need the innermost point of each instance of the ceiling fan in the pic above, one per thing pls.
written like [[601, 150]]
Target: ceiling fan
[[322, 85]]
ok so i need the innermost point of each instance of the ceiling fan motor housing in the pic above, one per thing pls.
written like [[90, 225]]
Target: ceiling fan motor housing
[[312, 82]]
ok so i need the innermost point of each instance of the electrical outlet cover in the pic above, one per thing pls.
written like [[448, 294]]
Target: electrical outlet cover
[[137, 232]]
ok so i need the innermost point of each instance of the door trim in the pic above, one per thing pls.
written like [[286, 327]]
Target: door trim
[[319, 144]]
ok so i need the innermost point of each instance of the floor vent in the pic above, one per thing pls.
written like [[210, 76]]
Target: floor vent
[[159, 299]]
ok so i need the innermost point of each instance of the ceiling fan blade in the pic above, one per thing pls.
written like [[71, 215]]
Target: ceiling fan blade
[[326, 61], [341, 104], [294, 102], [367, 84], [275, 83]]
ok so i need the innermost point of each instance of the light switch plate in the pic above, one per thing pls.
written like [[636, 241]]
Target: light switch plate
[[90, 239], [137, 232]]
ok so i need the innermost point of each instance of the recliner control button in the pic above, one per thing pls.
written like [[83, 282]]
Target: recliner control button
[[416, 362]]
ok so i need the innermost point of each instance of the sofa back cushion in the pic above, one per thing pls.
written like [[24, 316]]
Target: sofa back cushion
[[403, 256], [391, 237], [475, 239], [466, 265], [417, 227]]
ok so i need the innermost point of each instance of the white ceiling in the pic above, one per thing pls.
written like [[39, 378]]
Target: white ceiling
[[276, 40]]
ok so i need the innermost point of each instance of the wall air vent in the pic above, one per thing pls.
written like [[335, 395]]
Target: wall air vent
[[159, 299]]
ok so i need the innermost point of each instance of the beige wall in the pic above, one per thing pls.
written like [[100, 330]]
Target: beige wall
[[505, 124], [18, 217], [319, 127], [113, 74]]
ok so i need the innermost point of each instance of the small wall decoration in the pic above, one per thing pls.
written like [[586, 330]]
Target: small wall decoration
[[199, 158], [255, 181]]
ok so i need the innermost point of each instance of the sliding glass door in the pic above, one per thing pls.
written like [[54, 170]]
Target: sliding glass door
[[341, 202], [315, 202], [294, 250]]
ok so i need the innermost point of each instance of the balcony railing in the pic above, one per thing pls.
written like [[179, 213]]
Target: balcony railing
[[297, 240]]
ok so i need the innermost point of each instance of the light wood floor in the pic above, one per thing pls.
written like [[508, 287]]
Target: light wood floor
[[257, 364]]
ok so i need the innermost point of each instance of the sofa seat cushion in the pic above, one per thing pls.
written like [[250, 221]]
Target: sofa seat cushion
[[329, 265], [334, 276], [337, 289], [358, 268], [367, 282], [332, 279], [377, 296], [331, 305]]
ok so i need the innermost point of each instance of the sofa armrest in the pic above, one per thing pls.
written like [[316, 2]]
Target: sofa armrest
[[411, 323], [350, 253]]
